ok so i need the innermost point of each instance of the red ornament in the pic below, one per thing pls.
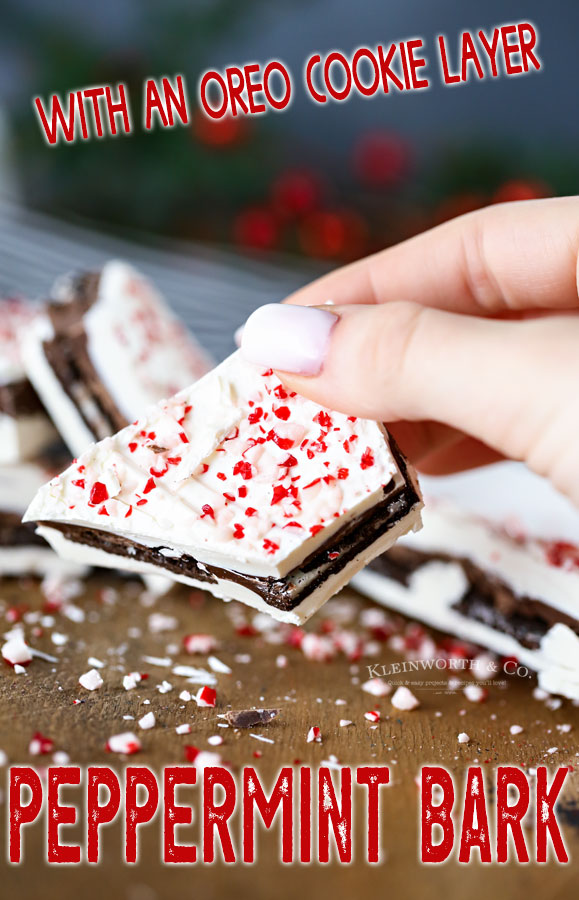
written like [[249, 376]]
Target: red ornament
[[226, 132], [458, 205], [296, 193], [333, 234], [381, 159], [521, 189], [256, 229]]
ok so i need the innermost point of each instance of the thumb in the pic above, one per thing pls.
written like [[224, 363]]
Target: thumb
[[509, 384]]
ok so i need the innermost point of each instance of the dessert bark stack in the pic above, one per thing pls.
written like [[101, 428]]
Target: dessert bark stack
[[516, 594], [107, 348], [96, 355], [25, 429]]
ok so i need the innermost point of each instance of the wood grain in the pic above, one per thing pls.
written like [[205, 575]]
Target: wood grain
[[117, 632]]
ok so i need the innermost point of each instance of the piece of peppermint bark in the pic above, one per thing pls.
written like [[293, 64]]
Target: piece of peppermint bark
[[239, 487]]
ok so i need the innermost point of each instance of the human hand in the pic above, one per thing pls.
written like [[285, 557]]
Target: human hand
[[464, 340]]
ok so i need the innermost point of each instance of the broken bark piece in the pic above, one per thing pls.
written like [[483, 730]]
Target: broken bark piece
[[248, 718]]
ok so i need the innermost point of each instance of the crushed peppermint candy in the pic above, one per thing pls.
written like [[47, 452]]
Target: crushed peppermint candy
[[215, 740], [377, 687], [60, 758], [131, 680], [516, 729], [16, 651], [183, 729], [404, 699], [201, 644], [216, 665], [40, 744], [206, 696], [126, 743], [159, 622], [475, 693], [147, 721], [314, 735], [318, 647], [95, 663], [463, 738], [263, 738], [372, 716], [91, 680], [345, 722], [205, 759]]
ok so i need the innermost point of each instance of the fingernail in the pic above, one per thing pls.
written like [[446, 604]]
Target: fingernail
[[290, 338]]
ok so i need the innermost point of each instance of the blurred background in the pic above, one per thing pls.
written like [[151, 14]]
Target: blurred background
[[308, 188]]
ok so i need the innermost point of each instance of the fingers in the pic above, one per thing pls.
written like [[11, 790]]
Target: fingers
[[510, 384], [507, 257], [461, 455], [420, 440]]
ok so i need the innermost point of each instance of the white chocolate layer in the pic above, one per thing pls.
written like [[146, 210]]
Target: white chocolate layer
[[63, 411], [37, 562], [24, 437]]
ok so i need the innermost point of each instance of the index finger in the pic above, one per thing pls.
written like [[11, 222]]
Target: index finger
[[505, 258]]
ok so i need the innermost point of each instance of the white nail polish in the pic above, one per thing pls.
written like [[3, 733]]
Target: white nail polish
[[289, 338]]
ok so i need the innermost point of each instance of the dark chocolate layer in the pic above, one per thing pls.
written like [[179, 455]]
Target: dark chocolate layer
[[18, 398], [283, 593], [68, 356], [15, 533], [487, 599]]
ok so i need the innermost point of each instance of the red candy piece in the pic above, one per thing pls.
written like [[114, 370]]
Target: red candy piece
[[367, 459], [98, 494], [150, 486], [243, 468], [279, 493]]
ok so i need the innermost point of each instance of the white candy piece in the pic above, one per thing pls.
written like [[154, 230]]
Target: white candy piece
[[131, 680], [91, 680], [404, 699], [126, 743], [475, 693], [147, 721], [463, 738], [377, 687], [16, 651]]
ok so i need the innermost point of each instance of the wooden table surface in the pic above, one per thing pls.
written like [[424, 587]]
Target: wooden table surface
[[117, 630]]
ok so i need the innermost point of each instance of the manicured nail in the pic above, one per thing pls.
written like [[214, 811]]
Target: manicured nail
[[286, 337]]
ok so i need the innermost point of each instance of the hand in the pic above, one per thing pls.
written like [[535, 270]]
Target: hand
[[464, 340]]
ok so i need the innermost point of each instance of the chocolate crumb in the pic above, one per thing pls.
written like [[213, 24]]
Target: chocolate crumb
[[248, 718]]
